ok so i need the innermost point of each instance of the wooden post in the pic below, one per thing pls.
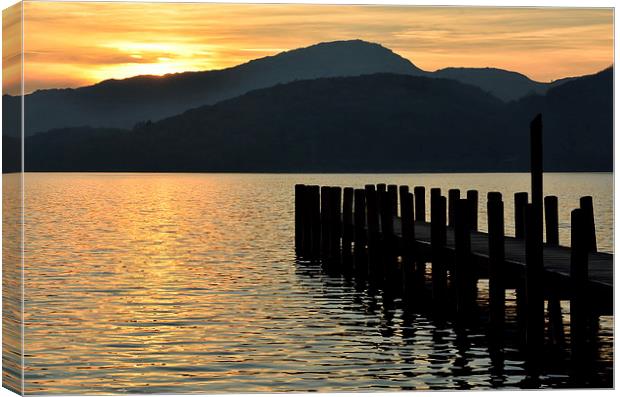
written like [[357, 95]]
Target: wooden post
[[438, 243], [585, 203], [387, 229], [453, 196], [497, 288], [381, 188], [373, 225], [360, 225], [336, 223], [520, 203], [579, 283], [408, 235], [314, 211], [472, 198], [435, 192], [536, 171], [300, 191], [535, 312], [551, 220], [402, 193], [347, 221], [393, 197], [419, 195], [464, 270], [325, 216]]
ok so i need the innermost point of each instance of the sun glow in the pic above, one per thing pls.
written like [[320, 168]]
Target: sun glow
[[69, 44], [150, 58]]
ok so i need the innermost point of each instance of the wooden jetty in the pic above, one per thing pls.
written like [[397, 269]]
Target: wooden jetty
[[363, 228]]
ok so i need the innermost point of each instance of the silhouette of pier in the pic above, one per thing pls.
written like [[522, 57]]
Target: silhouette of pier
[[363, 230]]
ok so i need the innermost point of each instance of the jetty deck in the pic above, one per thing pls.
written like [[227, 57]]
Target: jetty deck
[[556, 263]]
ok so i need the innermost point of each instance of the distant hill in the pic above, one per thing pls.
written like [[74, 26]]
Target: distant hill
[[578, 122], [501, 83], [123, 103], [370, 123]]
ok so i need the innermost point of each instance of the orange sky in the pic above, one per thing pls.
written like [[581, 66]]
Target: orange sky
[[73, 44]]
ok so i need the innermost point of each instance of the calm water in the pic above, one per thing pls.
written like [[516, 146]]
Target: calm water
[[160, 283]]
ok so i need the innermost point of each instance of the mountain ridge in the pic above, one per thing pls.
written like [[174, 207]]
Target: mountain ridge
[[115, 103]]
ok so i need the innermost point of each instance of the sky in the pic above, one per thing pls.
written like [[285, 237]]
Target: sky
[[76, 44]]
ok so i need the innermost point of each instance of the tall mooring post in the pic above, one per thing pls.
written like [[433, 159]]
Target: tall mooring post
[[534, 251]]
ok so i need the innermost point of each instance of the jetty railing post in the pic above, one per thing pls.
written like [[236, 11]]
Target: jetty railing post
[[472, 198], [373, 225], [387, 229], [408, 236], [300, 191], [438, 242], [381, 188], [393, 197], [299, 196], [419, 196], [535, 317], [554, 308], [359, 215], [306, 241], [325, 216], [579, 282], [347, 221], [464, 269], [520, 203], [315, 219], [403, 190], [497, 288], [551, 220], [336, 223], [435, 192], [453, 196], [585, 203]]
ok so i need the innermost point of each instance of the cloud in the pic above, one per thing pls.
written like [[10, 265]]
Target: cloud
[[74, 42]]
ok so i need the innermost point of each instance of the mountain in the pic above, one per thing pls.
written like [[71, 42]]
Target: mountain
[[122, 103], [504, 84], [369, 123]]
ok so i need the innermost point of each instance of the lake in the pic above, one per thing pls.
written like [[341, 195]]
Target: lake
[[188, 283]]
